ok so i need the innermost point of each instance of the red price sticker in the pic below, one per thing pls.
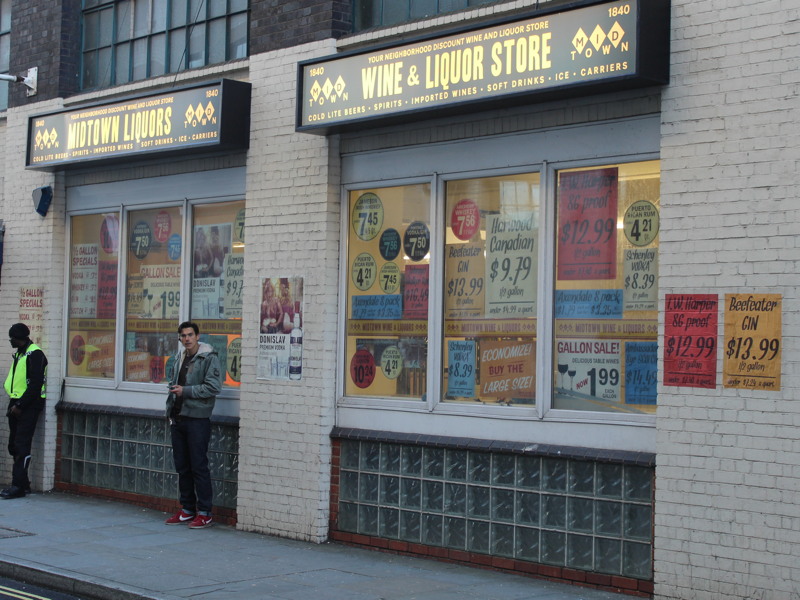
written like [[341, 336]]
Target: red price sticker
[[362, 368], [162, 226], [465, 219]]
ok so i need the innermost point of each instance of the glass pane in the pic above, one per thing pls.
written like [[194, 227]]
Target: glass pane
[[3, 97], [104, 67], [238, 5], [141, 21], [216, 41], [89, 69], [216, 8], [197, 11], [106, 28], [367, 14], [450, 5], [5, 52], [178, 13], [158, 57], [5, 15], [123, 63], [197, 47], [217, 278], [606, 305], [124, 21], [394, 11], [152, 294], [423, 8], [387, 313], [91, 24], [490, 289], [94, 259], [237, 37], [177, 50], [159, 16], [139, 59]]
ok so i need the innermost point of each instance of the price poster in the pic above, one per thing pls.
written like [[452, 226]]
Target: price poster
[[232, 284], [641, 372], [589, 369], [641, 279], [588, 304], [752, 352], [587, 225], [161, 295], [690, 340], [464, 286], [83, 280], [107, 289], [507, 369], [31, 310], [511, 265], [415, 292], [461, 368]]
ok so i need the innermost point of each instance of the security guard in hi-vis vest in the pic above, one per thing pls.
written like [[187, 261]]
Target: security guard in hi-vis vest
[[25, 386]]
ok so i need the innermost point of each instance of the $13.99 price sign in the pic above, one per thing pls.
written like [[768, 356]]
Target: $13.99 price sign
[[752, 351]]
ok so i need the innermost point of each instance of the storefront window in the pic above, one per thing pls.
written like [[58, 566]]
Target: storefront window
[[217, 278], [490, 290], [389, 242], [94, 259], [153, 294], [606, 302]]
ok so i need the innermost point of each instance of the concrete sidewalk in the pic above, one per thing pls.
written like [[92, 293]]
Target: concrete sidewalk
[[99, 549]]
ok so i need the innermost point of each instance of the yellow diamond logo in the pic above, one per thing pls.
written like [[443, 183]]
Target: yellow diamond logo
[[579, 41], [615, 34], [315, 90], [339, 87], [38, 138], [209, 110], [198, 112], [189, 113], [327, 88], [598, 37]]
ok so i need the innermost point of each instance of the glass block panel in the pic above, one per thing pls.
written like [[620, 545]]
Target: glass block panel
[[580, 514], [390, 490], [502, 505], [142, 481], [554, 547], [216, 464], [433, 465], [131, 428], [370, 456], [231, 466], [502, 540], [480, 467], [608, 518], [411, 462], [89, 473], [79, 424], [66, 446], [103, 476], [638, 483], [456, 465], [157, 488], [554, 477], [142, 455], [503, 469], [638, 521], [117, 427], [455, 499], [554, 511], [90, 449], [129, 478], [410, 493], [116, 452], [432, 495], [349, 454], [410, 525], [368, 487], [367, 519], [104, 426], [390, 458], [607, 555], [455, 532], [66, 470], [609, 480], [77, 471], [231, 493], [527, 544], [146, 430], [91, 424], [389, 522], [348, 516], [636, 560], [78, 446], [68, 419], [348, 485], [478, 536], [432, 529], [579, 552], [581, 478], [528, 508], [478, 505]]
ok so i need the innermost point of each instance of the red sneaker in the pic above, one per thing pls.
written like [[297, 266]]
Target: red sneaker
[[201, 521], [180, 518]]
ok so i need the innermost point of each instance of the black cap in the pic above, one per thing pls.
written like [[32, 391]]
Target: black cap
[[19, 331]]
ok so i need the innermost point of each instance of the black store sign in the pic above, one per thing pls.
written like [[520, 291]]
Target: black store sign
[[602, 46], [210, 117]]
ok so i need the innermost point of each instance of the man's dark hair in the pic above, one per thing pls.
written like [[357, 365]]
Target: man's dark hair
[[186, 324]]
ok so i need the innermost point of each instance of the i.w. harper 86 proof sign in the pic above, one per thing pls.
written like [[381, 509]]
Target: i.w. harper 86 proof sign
[[624, 42]]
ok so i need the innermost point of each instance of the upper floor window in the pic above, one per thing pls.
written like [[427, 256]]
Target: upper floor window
[[130, 40], [5, 47], [382, 13]]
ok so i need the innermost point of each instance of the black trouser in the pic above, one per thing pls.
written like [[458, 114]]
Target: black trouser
[[190, 439], [21, 430]]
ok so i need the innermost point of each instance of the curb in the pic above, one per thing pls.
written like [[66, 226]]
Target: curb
[[66, 582]]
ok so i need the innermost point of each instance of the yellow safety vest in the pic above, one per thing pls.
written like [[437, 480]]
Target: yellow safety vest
[[17, 380]]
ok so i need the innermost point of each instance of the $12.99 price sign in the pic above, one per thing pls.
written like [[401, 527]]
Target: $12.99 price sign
[[690, 340]]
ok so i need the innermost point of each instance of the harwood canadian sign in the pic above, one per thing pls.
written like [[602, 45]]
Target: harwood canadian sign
[[206, 117], [624, 42]]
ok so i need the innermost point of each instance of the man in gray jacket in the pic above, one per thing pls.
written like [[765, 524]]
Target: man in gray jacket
[[195, 379]]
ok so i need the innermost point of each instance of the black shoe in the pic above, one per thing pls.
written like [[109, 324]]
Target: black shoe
[[12, 492]]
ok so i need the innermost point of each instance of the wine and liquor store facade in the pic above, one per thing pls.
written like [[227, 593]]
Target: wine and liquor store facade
[[499, 290]]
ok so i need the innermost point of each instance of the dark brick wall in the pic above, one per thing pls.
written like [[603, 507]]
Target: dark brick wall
[[45, 34], [276, 24]]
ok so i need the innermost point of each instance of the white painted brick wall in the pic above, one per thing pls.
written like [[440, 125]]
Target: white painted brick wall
[[728, 475]]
